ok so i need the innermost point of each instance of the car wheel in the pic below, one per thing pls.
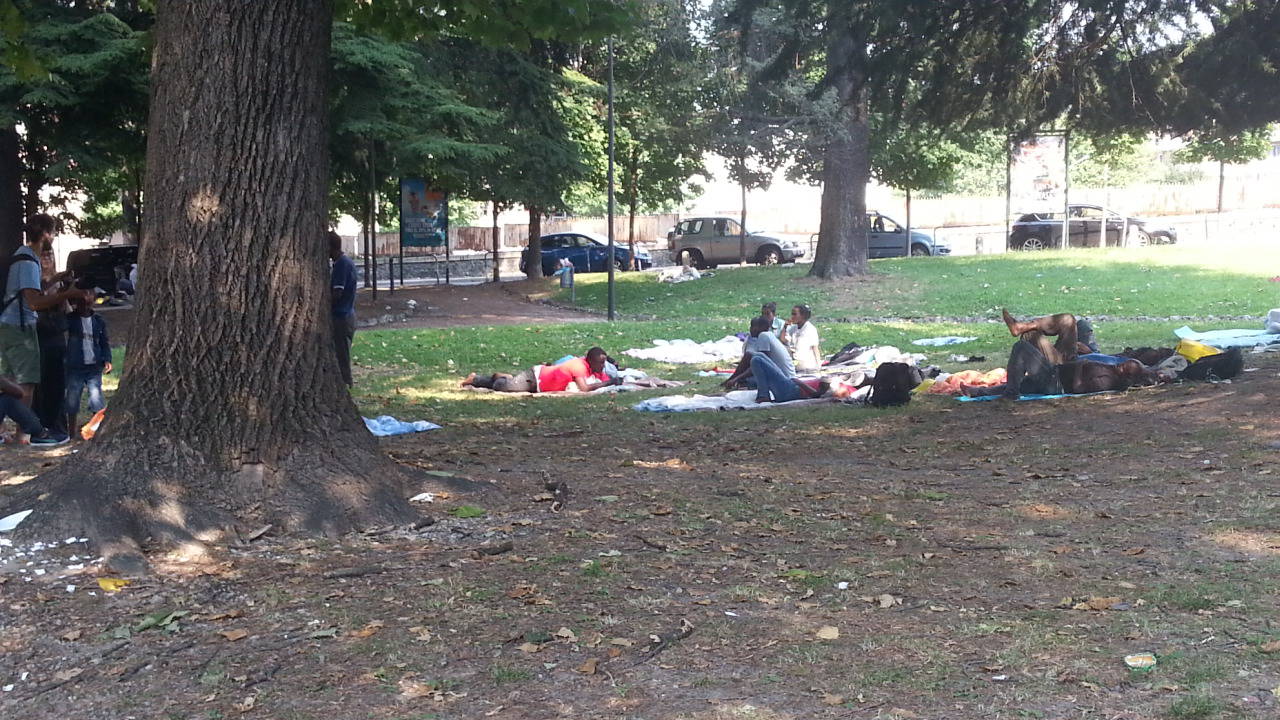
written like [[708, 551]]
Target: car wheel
[[619, 265], [769, 256], [920, 251], [1141, 239], [1033, 243]]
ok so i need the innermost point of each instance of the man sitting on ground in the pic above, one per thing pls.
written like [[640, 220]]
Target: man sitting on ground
[[769, 311], [802, 338], [1040, 367], [585, 373], [761, 340]]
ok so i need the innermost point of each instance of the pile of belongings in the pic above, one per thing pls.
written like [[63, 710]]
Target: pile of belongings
[[680, 273]]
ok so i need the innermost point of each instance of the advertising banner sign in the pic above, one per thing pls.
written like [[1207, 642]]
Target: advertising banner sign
[[424, 215], [1038, 176]]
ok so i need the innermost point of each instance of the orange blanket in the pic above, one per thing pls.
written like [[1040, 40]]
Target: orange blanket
[[951, 386]]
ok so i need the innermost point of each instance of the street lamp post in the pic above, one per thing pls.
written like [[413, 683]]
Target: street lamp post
[[612, 259]]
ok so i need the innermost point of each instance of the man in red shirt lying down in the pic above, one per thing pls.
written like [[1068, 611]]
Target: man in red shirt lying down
[[585, 373]]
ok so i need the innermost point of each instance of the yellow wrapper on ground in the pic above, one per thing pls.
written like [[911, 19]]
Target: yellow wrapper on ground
[[1141, 661], [1193, 351]]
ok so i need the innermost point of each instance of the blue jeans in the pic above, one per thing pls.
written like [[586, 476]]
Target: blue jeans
[[11, 406], [79, 378], [772, 381]]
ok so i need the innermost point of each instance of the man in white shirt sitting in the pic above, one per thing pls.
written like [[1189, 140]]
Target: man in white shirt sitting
[[802, 339], [761, 341]]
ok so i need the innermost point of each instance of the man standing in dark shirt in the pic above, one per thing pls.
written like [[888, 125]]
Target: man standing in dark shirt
[[342, 294]]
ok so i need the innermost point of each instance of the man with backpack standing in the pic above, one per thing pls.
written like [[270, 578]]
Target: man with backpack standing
[[22, 300]]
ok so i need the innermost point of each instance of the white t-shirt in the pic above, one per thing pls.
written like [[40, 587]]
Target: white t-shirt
[[804, 347], [86, 340], [768, 345]]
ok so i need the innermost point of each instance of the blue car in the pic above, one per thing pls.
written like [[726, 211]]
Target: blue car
[[588, 253]]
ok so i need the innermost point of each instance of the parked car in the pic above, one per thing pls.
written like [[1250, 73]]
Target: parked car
[[1039, 231], [588, 252], [886, 238], [708, 241], [102, 267]]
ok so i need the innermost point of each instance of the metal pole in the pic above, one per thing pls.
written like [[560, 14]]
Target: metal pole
[[611, 260], [400, 218], [373, 221], [1008, 188], [742, 219], [391, 275], [496, 275], [1066, 190], [368, 232]]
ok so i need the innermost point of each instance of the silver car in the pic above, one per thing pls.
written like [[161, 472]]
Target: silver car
[[709, 241]]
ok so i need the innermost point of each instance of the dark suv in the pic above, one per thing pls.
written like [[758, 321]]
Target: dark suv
[[102, 267], [1041, 231]]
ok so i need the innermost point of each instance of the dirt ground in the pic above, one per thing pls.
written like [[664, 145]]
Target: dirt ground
[[947, 561], [437, 306]]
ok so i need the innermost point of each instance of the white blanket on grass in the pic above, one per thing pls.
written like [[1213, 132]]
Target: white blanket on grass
[[736, 400], [385, 425], [1238, 338], [688, 352]]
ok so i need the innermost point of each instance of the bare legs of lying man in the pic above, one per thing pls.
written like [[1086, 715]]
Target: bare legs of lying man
[[1034, 359]]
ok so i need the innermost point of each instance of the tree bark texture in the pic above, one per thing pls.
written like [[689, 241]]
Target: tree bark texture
[[231, 407], [11, 216], [533, 249], [846, 168]]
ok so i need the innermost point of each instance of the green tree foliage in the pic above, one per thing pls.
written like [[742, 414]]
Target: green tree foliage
[[83, 116], [393, 116], [1102, 67], [660, 73], [1235, 149]]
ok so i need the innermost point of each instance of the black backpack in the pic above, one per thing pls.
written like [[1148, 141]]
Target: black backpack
[[893, 384], [5, 300], [1222, 366]]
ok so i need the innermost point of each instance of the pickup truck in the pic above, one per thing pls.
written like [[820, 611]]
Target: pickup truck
[[705, 242]]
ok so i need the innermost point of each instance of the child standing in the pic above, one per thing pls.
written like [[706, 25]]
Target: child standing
[[88, 357]]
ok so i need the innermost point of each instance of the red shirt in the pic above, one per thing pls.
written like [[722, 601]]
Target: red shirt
[[555, 378]]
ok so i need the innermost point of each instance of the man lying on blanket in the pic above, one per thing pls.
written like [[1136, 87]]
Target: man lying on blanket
[[1040, 367], [586, 373]]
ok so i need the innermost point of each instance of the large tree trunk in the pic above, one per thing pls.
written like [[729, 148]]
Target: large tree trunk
[[533, 249], [846, 168], [11, 217], [231, 409]]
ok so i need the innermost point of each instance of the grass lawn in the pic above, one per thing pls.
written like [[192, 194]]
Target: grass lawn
[[1197, 282]]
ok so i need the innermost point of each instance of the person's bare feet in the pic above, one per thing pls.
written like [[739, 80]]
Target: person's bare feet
[[468, 380], [1011, 322]]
